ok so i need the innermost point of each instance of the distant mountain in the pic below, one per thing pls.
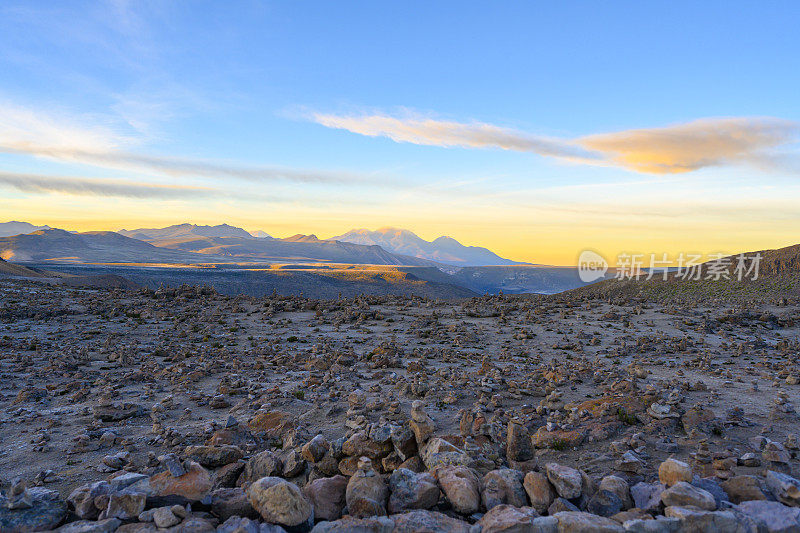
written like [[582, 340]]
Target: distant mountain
[[298, 248], [89, 247], [259, 234], [14, 227], [186, 230], [443, 250]]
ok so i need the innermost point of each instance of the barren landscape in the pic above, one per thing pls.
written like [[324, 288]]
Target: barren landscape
[[185, 409]]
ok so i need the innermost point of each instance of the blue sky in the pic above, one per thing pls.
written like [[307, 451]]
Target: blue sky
[[242, 85]]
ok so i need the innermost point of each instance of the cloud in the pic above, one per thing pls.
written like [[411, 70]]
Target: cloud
[[37, 183], [665, 150], [695, 145], [443, 133], [88, 140]]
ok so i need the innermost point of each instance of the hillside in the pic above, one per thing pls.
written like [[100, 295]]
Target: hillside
[[94, 246], [10, 269], [778, 278], [15, 227], [442, 250]]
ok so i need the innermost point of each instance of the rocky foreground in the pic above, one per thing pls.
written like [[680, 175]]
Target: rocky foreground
[[182, 410]]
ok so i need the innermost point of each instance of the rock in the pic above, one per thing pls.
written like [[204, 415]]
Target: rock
[[461, 486], [560, 505], [228, 502], [539, 490], [440, 452], [293, 464], [558, 439], [404, 441], [785, 488], [228, 475], [693, 519], [503, 486], [164, 517], [620, 487], [579, 522], [683, 494], [360, 445], [647, 496], [604, 503], [410, 491], [213, 456], [509, 519], [421, 424], [81, 500], [631, 462], [428, 521], [567, 481], [349, 524], [130, 480], [271, 424], [194, 485], [672, 471], [44, 510], [327, 495], [124, 504], [697, 418], [263, 464], [366, 492], [518, 443], [88, 526], [661, 524], [315, 449], [772, 517], [280, 502], [237, 524], [743, 488], [117, 411]]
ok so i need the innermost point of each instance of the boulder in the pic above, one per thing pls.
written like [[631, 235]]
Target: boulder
[[539, 490], [280, 502], [501, 486], [672, 471], [327, 495], [461, 486], [410, 490], [567, 481], [366, 492], [683, 494]]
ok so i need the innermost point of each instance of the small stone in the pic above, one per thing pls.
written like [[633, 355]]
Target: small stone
[[164, 517]]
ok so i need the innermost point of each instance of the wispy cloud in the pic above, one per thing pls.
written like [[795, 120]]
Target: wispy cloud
[[664, 150], [37, 183], [89, 141]]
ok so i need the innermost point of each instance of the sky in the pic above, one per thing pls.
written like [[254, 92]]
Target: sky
[[536, 129]]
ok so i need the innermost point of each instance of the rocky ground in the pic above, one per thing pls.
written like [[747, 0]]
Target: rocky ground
[[184, 410]]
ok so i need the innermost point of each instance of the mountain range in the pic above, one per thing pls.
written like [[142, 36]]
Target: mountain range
[[442, 249], [386, 246]]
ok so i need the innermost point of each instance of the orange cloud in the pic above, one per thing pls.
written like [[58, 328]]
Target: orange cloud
[[666, 150]]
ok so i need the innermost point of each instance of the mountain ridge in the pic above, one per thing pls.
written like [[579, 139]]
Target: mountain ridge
[[443, 249]]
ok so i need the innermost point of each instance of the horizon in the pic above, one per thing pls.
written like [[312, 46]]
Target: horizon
[[642, 129]]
